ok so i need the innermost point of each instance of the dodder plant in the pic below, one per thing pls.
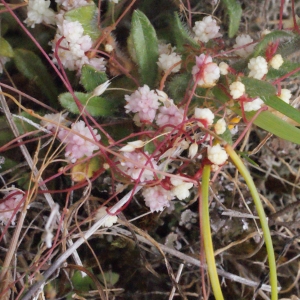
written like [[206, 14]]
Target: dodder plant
[[146, 115]]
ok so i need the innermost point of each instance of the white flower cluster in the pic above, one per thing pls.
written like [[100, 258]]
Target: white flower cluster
[[181, 188], [78, 146], [205, 72], [38, 11], [73, 45], [157, 198], [110, 221], [276, 61], [217, 155], [237, 89], [253, 105], [240, 42], [8, 206], [167, 61], [206, 29], [204, 114], [258, 67], [285, 95]]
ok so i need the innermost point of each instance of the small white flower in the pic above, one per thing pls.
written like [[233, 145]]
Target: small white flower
[[242, 40], [193, 150], [276, 61], [253, 105], [258, 67], [265, 32], [206, 29], [223, 68], [166, 61], [110, 221], [114, 1], [204, 114], [237, 89], [217, 155], [220, 126], [38, 12], [181, 188], [285, 95]]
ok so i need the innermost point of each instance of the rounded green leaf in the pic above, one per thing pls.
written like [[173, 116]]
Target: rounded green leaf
[[96, 106], [5, 48], [91, 78]]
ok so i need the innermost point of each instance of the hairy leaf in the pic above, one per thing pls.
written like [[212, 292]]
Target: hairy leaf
[[272, 36], [234, 11], [91, 78], [258, 88], [96, 106], [144, 42], [180, 34]]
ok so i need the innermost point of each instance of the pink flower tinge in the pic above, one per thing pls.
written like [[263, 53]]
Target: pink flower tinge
[[77, 146], [206, 73], [144, 102]]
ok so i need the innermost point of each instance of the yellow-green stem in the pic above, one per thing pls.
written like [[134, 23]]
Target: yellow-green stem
[[262, 217], [208, 245]]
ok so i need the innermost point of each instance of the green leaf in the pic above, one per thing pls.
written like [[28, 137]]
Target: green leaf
[[96, 106], [266, 120], [144, 40], [234, 11], [32, 67], [258, 88], [286, 109], [91, 78], [180, 34], [83, 284], [87, 17], [272, 36], [5, 48], [271, 123], [177, 86]]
